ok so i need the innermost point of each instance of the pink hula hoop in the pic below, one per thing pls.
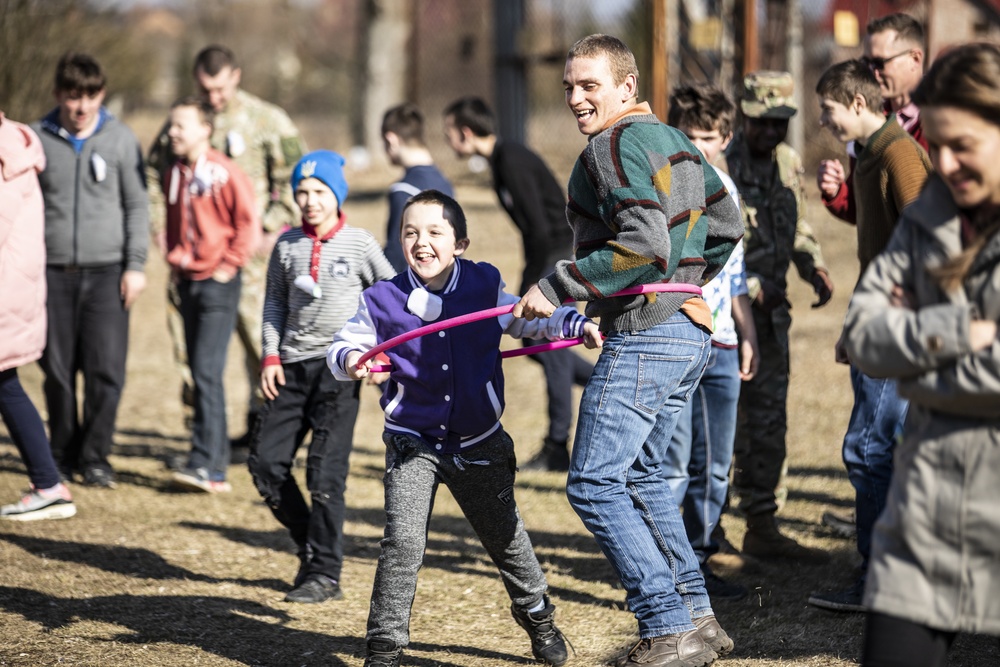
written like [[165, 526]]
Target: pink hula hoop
[[435, 327]]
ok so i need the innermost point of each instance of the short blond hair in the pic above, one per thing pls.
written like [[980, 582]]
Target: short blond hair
[[621, 60]]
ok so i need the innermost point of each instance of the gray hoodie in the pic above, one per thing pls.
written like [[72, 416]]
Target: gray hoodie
[[96, 209]]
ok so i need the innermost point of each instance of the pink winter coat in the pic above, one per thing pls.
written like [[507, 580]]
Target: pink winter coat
[[22, 246]]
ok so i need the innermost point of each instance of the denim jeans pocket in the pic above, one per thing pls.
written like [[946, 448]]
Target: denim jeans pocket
[[658, 377]]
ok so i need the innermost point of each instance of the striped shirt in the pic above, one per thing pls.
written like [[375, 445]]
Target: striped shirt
[[313, 287]]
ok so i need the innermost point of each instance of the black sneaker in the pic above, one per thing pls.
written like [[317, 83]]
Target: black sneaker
[[316, 588], [847, 600], [305, 557], [720, 589], [553, 457], [548, 644], [99, 477], [382, 653]]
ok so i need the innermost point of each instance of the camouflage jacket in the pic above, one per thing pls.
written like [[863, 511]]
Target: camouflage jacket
[[777, 233], [261, 139]]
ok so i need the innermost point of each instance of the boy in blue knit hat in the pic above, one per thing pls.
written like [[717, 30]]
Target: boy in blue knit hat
[[315, 277]]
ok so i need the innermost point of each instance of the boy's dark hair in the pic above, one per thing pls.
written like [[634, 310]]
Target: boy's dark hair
[[843, 81], [473, 113], [621, 60], [406, 122], [907, 28], [79, 73], [701, 106], [205, 109], [451, 212], [213, 58]]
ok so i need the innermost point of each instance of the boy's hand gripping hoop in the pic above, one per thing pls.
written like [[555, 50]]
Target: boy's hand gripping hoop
[[468, 318]]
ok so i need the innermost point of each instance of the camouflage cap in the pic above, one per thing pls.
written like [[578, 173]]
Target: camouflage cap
[[768, 94]]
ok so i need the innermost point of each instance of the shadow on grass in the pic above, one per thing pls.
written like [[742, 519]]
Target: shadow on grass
[[127, 561], [240, 630]]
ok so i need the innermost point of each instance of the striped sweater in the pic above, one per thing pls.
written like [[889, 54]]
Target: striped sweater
[[299, 321], [644, 208], [890, 173]]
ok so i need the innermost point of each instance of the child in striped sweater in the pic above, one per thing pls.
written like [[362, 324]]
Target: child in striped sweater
[[315, 277]]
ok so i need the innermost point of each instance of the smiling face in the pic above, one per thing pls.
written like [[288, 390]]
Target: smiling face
[[188, 132], [429, 244], [963, 148], [592, 94], [318, 204], [841, 121], [79, 111]]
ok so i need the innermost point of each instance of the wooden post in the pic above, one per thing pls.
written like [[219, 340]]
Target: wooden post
[[659, 90], [751, 39]]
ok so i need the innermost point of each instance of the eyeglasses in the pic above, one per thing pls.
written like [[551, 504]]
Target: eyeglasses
[[879, 63]]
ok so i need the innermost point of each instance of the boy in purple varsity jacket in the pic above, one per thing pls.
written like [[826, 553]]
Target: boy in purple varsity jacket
[[443, 403], [314, 278]]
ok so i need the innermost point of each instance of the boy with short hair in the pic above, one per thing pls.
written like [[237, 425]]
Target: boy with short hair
[[443, 402], [701, 450], [315, 276], [403, 139], [889, 173], [212, 228]]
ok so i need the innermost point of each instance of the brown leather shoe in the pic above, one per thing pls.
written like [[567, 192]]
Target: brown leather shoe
[[713, 635], [763, 540], [684, 649]]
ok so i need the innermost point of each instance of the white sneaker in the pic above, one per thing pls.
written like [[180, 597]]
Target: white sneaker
[[53, 503]]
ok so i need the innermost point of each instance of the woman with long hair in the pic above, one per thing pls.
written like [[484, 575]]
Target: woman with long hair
[[926, 313]]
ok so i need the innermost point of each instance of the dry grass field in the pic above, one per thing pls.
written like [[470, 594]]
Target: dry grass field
[[146, 576]]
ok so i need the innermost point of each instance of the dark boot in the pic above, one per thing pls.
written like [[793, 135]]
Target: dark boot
[[547, 643], [763, 540], [554, 457]]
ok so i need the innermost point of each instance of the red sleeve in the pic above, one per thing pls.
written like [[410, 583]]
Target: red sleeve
[[842, 204]]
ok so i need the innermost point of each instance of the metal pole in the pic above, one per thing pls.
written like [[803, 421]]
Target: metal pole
[[794, 58]]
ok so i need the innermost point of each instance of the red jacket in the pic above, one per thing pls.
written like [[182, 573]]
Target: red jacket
[[212, 222]]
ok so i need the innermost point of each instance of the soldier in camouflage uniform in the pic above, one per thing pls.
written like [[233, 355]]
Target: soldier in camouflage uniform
[[768, 174], [262, 140]]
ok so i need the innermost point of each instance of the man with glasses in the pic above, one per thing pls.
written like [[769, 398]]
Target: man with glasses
[[894, 51]]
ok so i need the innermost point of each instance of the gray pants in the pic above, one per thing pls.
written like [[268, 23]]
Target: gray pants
[[482, 482]]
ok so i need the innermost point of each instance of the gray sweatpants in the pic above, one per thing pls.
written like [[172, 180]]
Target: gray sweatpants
[[482, 482]]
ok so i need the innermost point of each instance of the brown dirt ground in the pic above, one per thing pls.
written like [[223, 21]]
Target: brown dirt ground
[[146, 576]]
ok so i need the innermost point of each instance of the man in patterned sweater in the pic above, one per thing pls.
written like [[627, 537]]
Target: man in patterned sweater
[[644, 208], [314, 279]]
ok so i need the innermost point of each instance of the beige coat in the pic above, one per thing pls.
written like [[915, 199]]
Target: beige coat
[[22, 246], [936, 548]]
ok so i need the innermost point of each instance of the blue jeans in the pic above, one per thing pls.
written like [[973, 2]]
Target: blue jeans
[[702, 449], [209, 311], [617, 476], [876, 420]]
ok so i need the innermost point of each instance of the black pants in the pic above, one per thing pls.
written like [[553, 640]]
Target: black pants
[[893, 642], [311, 399], [563, 369], [87, 333]]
